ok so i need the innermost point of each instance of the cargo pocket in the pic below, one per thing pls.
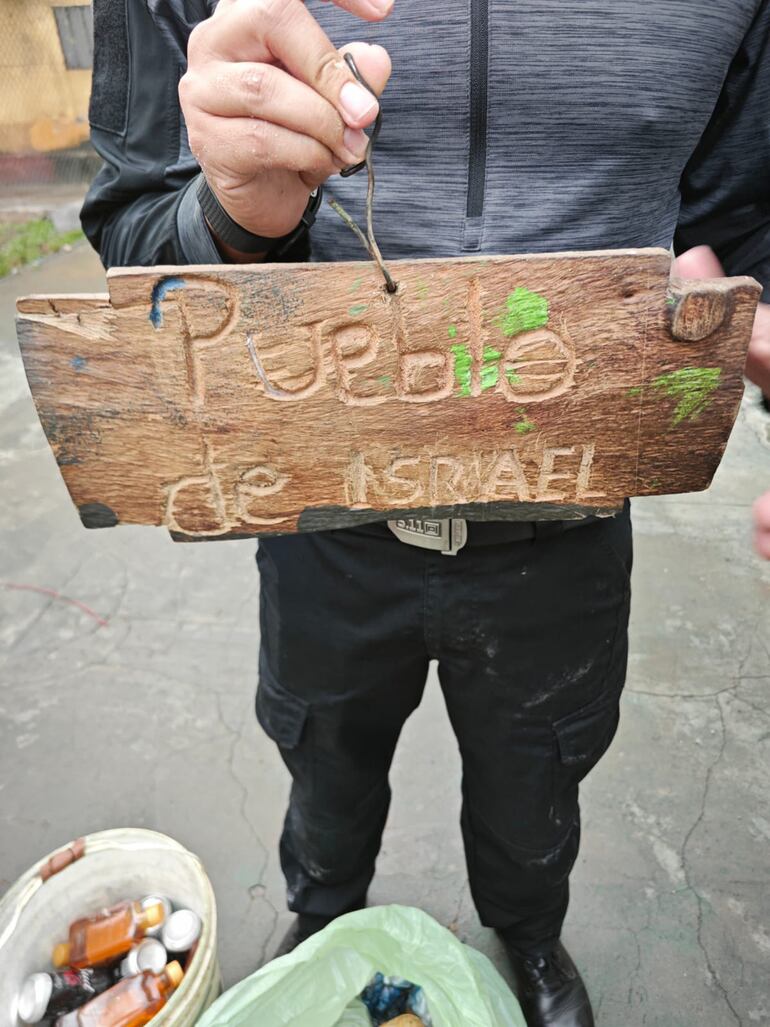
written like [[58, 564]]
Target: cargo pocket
[[281, 715], [584, 736], [617, 542]]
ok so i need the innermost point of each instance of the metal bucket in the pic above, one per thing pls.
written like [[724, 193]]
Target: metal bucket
[[99, 871]]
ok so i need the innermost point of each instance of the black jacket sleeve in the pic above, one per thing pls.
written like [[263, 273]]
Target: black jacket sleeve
[[726, 184], [142, 207]]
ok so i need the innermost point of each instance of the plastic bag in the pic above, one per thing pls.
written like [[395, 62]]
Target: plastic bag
[[318, 984]]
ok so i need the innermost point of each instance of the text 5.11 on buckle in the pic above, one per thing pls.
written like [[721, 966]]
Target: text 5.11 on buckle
[[444, 535]]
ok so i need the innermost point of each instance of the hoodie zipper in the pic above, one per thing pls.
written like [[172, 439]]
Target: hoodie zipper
[[477, 141]]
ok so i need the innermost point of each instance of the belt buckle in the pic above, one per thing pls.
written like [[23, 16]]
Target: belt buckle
[[446, 535]]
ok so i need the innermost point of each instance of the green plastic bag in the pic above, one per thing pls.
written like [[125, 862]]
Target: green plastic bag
[[318, 984]]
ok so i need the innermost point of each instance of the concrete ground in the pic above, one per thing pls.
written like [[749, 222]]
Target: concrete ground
[[147, 720], [60, 202]]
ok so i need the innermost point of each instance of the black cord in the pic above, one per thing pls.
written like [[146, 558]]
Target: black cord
[[367, 240], [347, 172]]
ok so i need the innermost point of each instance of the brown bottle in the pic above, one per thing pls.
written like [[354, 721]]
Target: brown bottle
[[131, 1003], [99, 939]]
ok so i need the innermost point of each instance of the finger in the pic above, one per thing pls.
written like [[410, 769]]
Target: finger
[[249, 146], [233, 33], [699, 262], [299, 43], [762, 525], [232, 90], [267, 31], [369, 10], [373, 62], [758, 357]]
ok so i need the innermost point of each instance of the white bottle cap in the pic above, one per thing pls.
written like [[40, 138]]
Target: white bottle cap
[[147, 955], [168, 909], [151, 955], [34, 998], [181, 930], [128, 966]]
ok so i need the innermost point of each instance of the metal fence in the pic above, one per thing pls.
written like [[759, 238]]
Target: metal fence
[[46, 50]]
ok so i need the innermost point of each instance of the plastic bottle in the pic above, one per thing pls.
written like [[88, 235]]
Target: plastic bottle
[[168, 909], [130, 1003], [44, 997], [181, 931], [100, 939]]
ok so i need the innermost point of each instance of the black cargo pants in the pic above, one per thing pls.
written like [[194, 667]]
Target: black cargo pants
[[531, 642]]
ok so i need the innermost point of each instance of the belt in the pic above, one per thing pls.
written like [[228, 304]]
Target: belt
[[448, 535]]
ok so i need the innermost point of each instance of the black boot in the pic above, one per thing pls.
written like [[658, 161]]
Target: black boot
[[550, 989], [307, 924], [303, 926]]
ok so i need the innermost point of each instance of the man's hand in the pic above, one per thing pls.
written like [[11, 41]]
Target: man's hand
[[762, 525], [702, 262], [758, 360], [272, 109]]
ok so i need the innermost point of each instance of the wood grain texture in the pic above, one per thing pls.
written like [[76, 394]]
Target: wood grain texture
[[227, 401]]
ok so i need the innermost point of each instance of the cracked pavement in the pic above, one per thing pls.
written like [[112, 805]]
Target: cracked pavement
[[133, 705]]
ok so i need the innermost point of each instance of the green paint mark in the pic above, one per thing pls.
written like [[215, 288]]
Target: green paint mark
[[463, 364], [636, 391], [384, 379], [525, 426], [356, 284], [524, 311], [671, 301], [513, 377], [693, 387], [489, 376], [357, 309], [422, 290], [452, 331], [490, 371]]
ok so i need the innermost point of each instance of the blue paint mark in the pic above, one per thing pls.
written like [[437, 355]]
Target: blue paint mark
[[78, 363], [160, 290]]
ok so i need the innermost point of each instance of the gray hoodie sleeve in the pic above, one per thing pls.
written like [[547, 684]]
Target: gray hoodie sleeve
[[726, 185]]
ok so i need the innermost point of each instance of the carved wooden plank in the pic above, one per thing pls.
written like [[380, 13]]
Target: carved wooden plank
[[225, 401]]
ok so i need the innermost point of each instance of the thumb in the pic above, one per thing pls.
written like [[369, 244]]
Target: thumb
[[699, 262]]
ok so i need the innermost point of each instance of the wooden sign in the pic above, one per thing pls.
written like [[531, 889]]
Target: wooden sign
[[228, 400]]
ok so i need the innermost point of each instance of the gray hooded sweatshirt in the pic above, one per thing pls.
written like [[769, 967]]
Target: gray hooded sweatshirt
[[510, 126]]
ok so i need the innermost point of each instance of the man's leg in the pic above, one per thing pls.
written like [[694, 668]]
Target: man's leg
[[533, 693], [342, 665]]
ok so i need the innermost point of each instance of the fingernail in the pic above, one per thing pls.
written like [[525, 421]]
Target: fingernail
[[381, 6], [356, 101], [356, 141]]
